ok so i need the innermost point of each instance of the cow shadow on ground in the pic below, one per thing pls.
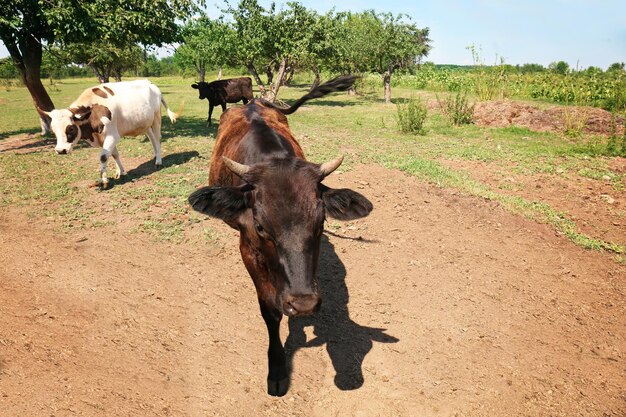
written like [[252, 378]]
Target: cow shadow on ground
[[27, 143], [191, 127], [24, 131], [148, 167], [347, 342]]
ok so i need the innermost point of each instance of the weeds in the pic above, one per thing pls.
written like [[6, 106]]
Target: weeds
[[616, 144], [411, 116], [576, 117], [489, 82], [457, 109]]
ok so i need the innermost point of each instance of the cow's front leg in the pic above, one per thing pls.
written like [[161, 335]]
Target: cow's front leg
[[277, 377], [120, 169], [107, 150], [208, 121]]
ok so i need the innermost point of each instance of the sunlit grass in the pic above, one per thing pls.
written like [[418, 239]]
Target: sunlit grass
[[362, 128]]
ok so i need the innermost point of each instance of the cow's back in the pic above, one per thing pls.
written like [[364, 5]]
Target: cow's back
[[238, 88], [234, 131], [133, 104]]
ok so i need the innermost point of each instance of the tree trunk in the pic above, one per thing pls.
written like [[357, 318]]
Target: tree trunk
[[117, 74], [280, 76], [317, 79], [290, 70], [269, 73], [387, 84], [256, 77], [102, 74], [27, 59], [219, 73], [201, 74]]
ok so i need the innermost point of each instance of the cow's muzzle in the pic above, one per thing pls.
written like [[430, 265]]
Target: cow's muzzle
[[301, 305]]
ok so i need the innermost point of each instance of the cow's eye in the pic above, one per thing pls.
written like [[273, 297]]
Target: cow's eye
[[71, 132], [258, 228]]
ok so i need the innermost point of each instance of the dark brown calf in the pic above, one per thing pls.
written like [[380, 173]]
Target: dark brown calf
[[277, 201], [221, 92]]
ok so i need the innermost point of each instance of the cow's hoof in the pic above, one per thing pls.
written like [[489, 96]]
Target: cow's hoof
[[277, 388], [103, 185], [118, 175]]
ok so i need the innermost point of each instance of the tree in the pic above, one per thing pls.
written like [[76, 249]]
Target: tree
[[380, 43], [616, 66], [531, 68], [252, 24], [105, 60], [27, 26], [206, 42], [560, 67], [292, 37], [402, 45]]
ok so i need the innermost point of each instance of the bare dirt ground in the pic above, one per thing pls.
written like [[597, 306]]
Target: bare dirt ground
[[597, 207], [438, 304]]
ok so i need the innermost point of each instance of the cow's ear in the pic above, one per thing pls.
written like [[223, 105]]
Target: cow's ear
[[95, 119], [345, 204], [194, 85], [81, 113], [225, 203]]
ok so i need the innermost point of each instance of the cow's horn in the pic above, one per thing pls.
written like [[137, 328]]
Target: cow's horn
[[236, 167], [42, 112], [327, 167]]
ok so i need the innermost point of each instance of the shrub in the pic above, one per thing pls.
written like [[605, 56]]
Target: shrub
[[457, 109], [616, 145], [411, 116], [367, 84]]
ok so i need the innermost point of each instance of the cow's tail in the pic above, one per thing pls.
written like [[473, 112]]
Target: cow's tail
[[341, 83], [173, 116]]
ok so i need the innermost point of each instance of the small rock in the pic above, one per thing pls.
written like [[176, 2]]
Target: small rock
[[607, 198], [606, 178]]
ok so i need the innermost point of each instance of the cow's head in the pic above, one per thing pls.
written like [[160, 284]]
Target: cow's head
[[203, 89], [70, 125], [280, 210]]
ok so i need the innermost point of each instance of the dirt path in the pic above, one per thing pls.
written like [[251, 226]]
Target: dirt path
[[438, 304]]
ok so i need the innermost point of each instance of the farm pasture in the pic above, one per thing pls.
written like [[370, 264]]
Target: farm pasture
[[488, 280]]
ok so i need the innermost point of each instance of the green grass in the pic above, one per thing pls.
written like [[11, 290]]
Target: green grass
[[362, 128]]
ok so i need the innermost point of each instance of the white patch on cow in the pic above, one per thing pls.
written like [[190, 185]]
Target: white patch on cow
[[59, 121]]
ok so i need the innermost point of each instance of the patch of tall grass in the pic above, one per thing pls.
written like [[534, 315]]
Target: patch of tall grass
[[411, 116]]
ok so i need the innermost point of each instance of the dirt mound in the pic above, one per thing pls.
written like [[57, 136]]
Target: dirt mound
[[503, 113]]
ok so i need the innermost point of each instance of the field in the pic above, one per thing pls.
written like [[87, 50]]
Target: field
[[487, 281]]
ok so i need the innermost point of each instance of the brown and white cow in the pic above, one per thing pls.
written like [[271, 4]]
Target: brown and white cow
[[221, 92], [262, 185], [103, 114]]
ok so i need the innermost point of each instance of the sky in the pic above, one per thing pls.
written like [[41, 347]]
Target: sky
[[581, 32]]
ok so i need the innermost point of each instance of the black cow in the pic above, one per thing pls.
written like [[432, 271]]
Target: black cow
[[277, 201], [221, 92]]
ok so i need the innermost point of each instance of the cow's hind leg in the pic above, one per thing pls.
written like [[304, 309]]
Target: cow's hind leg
[[120, 169], [277, 377], [155, 139]]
